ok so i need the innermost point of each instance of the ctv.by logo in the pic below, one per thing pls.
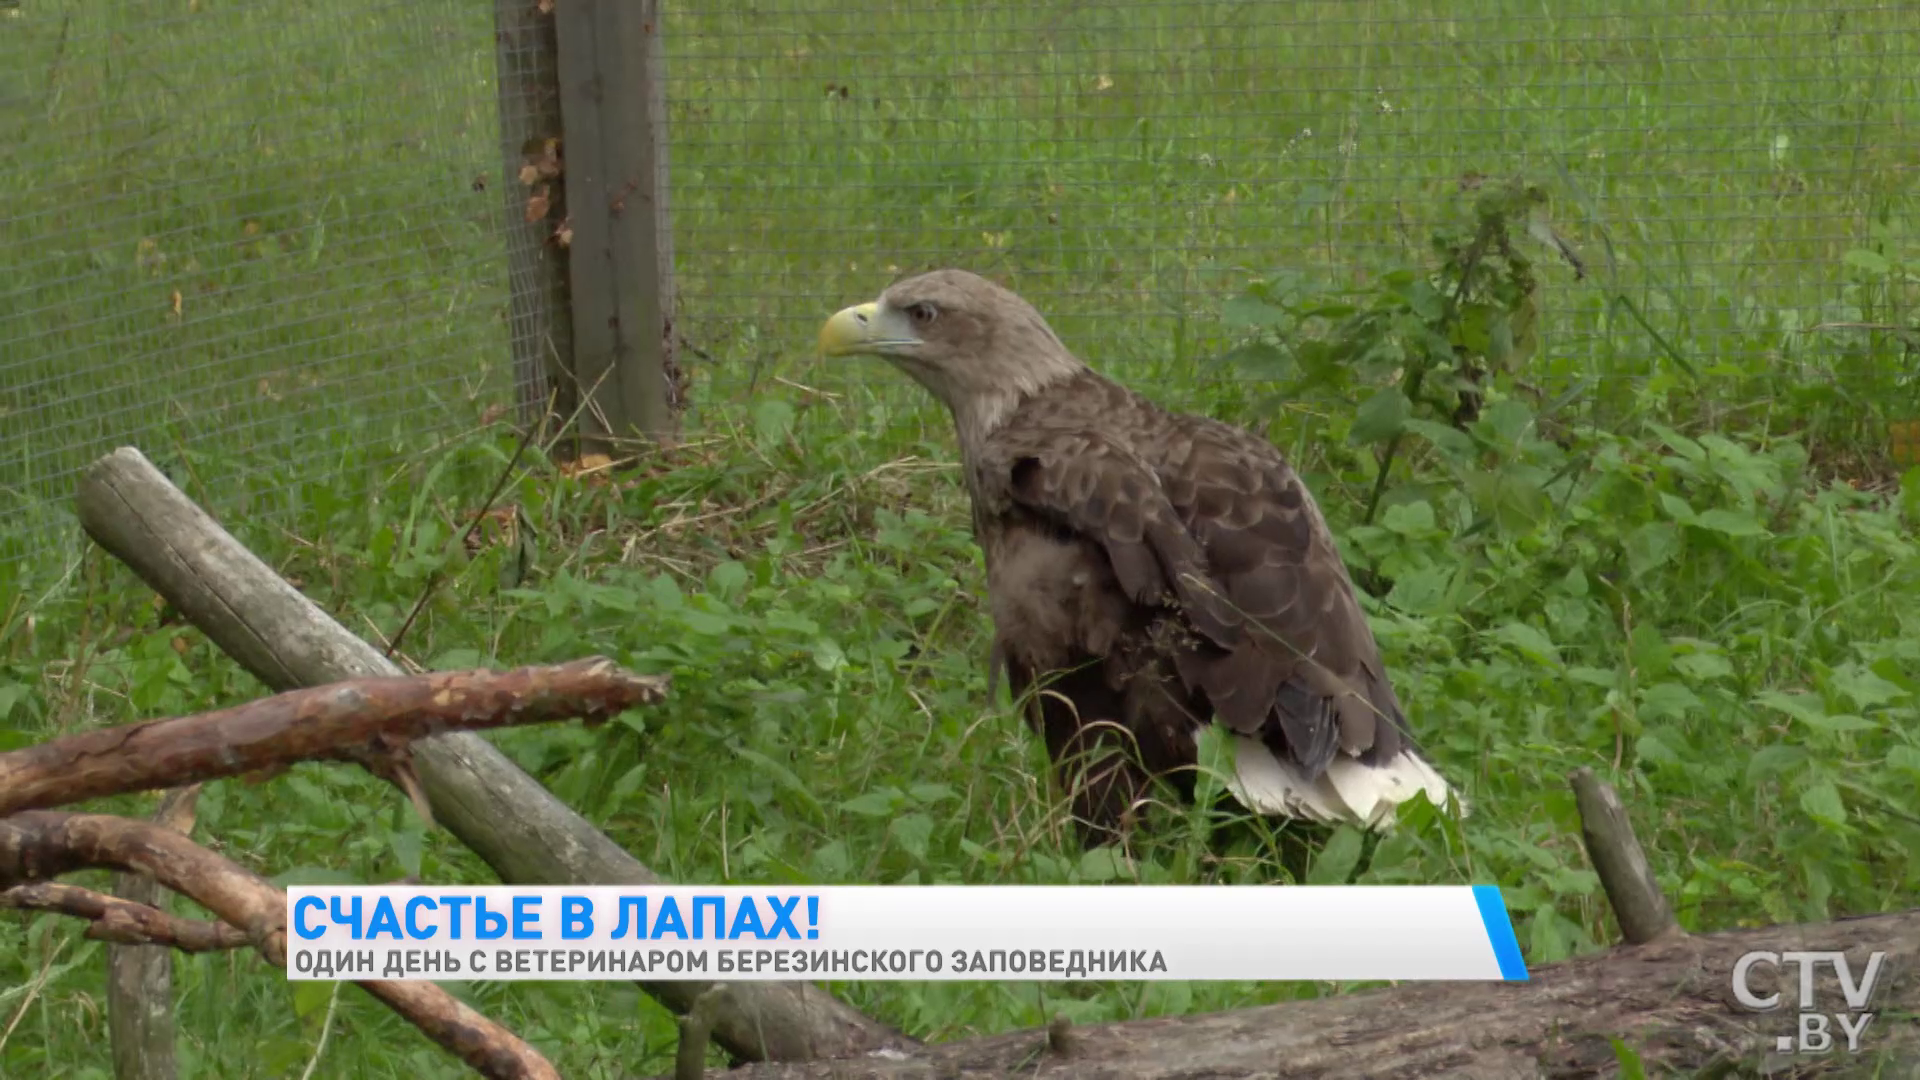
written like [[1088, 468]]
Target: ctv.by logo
[[1815, 1035]]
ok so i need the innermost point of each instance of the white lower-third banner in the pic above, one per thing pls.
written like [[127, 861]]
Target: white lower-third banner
[[986, 932]]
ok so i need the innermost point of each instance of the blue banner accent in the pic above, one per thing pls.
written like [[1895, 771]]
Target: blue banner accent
[[1506, 947]]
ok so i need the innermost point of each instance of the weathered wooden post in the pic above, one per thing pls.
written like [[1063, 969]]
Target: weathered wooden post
[[583, 131]]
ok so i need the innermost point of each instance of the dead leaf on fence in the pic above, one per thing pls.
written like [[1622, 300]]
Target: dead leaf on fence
[[543, 160], [538, 204], [176, 303], [563, 233]]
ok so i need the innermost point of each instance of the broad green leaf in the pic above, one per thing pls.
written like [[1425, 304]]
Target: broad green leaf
[[1381, 417], [1822, 801], [1450, 440], [1864, 688], [1773, 760], [1510, 496], [1871, 261], [1811, 711], [790, 622], [1409, 518], [727, 577], [1530, 642], [1422, 299], [706, 623], [1101, 865], [1676, 508], [1508, 421], [1650, 746], [872, 804], [1257, 356], [310, 997], [1667, 700], [1730, 522], [1651, 546], [1423, 591], [11, 694], [912, 832], [1685, 447], [1251, 311], [830, 861], [828, 656], [1336, 860], [1703, 666]]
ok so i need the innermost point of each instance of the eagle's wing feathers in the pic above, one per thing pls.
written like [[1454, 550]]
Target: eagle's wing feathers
[[1099, 487], [1310, 655], [1216, 523]]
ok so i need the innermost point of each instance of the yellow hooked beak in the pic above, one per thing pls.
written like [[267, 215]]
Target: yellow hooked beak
[[867, 328]]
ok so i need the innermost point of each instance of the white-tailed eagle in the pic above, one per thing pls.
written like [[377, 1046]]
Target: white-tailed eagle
[[1149, 573]]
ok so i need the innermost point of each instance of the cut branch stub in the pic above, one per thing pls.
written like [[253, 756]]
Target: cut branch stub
[[1625, 874]]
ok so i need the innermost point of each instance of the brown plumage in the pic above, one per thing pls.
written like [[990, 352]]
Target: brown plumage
[[1148, 572]]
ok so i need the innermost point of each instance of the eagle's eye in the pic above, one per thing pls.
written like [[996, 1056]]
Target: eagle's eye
[[922, 313]]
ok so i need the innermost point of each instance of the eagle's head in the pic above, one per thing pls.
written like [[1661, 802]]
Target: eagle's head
[[964, 338]]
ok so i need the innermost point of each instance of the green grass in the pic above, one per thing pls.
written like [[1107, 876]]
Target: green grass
[[1692, 605]]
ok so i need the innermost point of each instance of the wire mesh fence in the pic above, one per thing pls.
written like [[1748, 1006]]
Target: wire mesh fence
[[264, 233], [253, 240], [1128, 165]]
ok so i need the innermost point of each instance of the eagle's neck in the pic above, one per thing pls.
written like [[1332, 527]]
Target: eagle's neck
[[977, 418], [977, 415]]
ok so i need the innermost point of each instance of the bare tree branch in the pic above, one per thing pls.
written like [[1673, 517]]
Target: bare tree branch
[[365, 718], [41, 844], [125, 922]]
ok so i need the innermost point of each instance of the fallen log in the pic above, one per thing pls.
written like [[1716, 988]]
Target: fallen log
[[42, 844], [499, 812], [1669, 1001]]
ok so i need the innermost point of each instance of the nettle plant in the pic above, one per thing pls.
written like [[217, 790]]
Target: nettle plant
[[1427, 352]]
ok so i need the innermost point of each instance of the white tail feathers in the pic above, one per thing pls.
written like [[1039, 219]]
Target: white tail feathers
[[1348, 791]]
